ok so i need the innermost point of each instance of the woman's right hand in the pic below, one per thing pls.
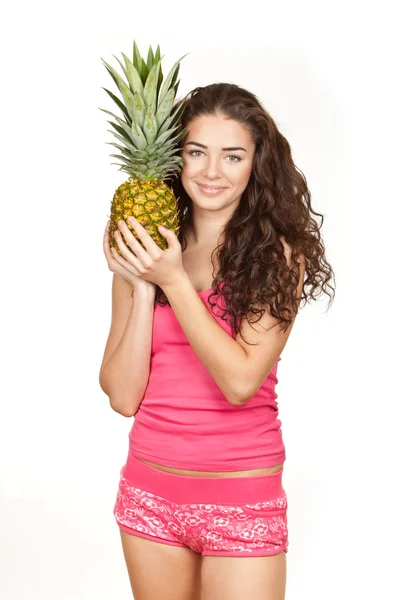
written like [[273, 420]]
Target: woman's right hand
[[126, 270]]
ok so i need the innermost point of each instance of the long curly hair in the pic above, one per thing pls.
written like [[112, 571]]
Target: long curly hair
[[252, 268]]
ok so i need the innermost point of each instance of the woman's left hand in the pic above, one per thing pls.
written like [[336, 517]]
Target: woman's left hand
[[161, 267]]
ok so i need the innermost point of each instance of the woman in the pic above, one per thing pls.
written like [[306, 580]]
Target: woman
[[197, 332]]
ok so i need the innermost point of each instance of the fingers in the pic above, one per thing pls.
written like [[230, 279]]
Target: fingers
[[123, 264], [129, 256], [132, 242], [106, 243], [115, 262], [151, 247], [170, 236]]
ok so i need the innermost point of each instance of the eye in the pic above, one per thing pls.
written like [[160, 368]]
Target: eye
[[231, 157]]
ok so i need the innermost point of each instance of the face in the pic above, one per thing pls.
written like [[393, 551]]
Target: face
[[217, 162]]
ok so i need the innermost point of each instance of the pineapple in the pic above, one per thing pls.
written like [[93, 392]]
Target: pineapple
[[148, 146]]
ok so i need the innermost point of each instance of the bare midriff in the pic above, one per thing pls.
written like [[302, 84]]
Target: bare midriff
[[250, 473]]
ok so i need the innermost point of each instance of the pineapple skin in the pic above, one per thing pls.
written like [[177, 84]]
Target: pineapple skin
[[152, 203]]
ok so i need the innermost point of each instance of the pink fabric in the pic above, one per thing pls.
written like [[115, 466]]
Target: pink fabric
[[184, 420], [160, 506]]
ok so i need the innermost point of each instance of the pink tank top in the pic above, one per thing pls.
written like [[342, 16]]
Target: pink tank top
[[184, 420]]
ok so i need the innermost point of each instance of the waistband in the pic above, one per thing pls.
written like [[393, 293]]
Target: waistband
[[184, 489]]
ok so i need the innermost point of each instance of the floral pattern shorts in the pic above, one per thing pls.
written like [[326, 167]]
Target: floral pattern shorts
[[212, 529]]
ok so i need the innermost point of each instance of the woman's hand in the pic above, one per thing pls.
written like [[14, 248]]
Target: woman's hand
[[118, 265], [151, 263]]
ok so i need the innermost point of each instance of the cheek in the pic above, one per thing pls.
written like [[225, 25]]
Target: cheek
[[186, 176], [188, 170], [242, 176]]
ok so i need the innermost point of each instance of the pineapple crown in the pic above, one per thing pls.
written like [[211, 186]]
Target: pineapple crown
[[148, 129]]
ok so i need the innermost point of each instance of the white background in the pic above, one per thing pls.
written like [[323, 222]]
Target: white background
[[327, 75]]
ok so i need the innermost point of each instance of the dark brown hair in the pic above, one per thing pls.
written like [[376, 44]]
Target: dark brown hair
[[276, 202]]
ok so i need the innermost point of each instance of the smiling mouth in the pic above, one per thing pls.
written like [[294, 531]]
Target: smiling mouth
[[210, 188]]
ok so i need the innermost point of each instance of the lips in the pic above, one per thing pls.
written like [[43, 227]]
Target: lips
[[212, 190], [211, 187]]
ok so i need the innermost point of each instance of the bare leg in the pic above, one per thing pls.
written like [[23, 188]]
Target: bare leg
[[235, 578], [161, 572]]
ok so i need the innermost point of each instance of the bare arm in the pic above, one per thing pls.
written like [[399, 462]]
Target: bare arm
[[125, 368], [236, 367]]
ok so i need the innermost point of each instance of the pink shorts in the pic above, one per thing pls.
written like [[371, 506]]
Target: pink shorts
[[233, 516]]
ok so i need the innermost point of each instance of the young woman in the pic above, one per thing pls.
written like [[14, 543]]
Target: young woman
[[197, 332]]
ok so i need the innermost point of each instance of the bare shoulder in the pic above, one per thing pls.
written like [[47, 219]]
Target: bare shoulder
[[120, 311]]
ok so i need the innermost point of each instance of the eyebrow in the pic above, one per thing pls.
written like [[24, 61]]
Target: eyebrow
[[224, 149]]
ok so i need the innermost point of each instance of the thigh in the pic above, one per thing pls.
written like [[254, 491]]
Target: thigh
[[158, 571], [235, 578]]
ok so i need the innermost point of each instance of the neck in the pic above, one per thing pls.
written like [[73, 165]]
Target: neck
[[206, 229]]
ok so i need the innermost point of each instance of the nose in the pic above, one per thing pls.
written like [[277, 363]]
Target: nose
[[212, 168]]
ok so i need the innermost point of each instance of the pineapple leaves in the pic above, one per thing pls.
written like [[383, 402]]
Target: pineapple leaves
[[140, 168], [144, 72], [168, 82], [150, 59], [125, 126], [166, 151], [165, 107], [139, 64], [150, 88], [137, 59], [127, 149], [160, 80], [166, 125], [124, 151], [120, 104], [122, 66], [121, 135], [150, 126], [139, 108], [178, 137], [122, 158], [178, 110], [133, 77], [164, 136], [134, 133], [173, 118], [138, 136], [171, 165], [175, 77], [147, 132], [123, 88]]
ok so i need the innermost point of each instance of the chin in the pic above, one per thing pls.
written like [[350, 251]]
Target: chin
[[209, 202]]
